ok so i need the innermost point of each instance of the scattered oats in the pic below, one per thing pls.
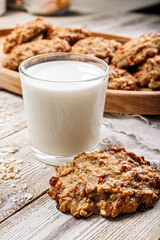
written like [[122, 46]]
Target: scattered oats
[[15, 124], [13, 185], [17, 176], [3, 169], [20, 191], [19, 161], [14, 199], [12, 159], [13, 150], [3, 150], [24, 186], [25, 195], [15, 168], [1, 176], [9, 150], [28, 196], [11, 175], [10, 169], [6, 177], [6, 160]]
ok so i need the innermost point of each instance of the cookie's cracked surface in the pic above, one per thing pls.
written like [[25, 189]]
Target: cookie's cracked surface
[[148, 73], [137, 50], [72, 35], [97, 47], [25, 32], [121, 79], [27, 50], [108, 183]]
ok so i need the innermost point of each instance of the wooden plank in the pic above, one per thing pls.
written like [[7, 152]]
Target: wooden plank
[[139, 102], [10, 80], [41, 220], [33, 172], [111, 36], [12, 118]]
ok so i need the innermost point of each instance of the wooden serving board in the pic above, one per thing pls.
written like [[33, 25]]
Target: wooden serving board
[[143, 101]]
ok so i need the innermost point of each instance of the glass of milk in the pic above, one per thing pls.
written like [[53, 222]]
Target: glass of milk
[[64, 96]]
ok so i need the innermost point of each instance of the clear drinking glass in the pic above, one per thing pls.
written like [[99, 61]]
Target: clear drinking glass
[[64, 96]]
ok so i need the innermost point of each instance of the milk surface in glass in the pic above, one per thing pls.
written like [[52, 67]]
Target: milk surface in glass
[[64, 118]]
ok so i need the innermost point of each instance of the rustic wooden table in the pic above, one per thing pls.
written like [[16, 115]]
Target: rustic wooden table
[[26, 211]]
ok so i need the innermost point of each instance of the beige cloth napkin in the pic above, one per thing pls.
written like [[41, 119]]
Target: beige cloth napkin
[[136, 133]]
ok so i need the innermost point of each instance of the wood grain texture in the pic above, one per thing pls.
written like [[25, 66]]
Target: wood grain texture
[[145, 101], [10, 81], [12, 107], [131, 102], [42, 220], [33, 172]]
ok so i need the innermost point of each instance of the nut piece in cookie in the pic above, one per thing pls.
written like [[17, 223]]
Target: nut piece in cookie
[[137, 51], [121, 79], [97, 47], [72, 35], [25, 32], [106, 182], [148, 73], [27, 50]]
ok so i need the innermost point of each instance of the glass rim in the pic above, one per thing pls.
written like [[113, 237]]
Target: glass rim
[[106, 72]]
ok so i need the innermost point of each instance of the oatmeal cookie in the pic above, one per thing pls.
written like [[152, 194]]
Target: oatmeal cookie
[[106, 182], [27, 50], [148, 73], [98, 47], [137, 51], [25, 32], [121, 79], [72, 35]]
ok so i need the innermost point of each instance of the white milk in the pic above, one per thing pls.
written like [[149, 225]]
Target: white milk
[[64, 118]]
